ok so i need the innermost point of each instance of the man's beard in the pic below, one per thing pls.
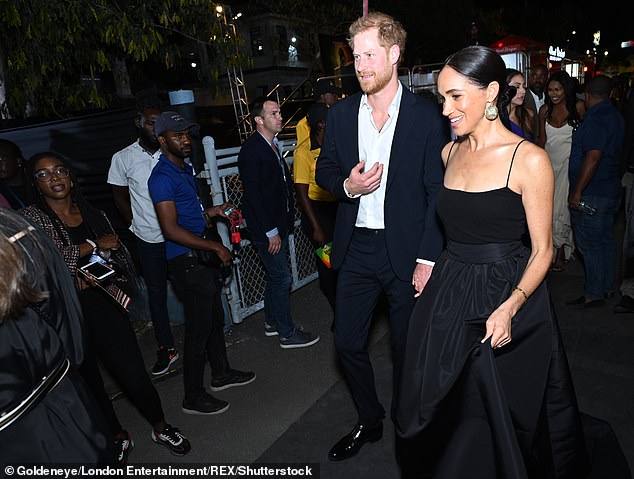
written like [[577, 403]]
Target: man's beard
[[380, 80], [148, 140], [178, 152], [538, 90]]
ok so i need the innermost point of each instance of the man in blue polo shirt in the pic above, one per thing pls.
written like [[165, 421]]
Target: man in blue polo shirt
[[595, 190], [182, 218]]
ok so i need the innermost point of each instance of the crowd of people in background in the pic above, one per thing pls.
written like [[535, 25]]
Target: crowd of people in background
[[532, 179]]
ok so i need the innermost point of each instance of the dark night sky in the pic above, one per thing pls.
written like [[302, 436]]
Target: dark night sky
[[612, 17], [525, 17], [543, 20]]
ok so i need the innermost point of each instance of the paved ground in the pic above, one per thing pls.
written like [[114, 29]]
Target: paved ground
[[290, 384]]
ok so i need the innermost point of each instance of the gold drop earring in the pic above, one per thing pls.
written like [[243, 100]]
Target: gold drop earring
[[491, 111]]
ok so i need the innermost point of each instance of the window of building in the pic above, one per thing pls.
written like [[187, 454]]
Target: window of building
[[281, 39], [257, 42]]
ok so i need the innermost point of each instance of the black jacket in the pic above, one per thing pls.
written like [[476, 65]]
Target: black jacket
[[267, 201], [415, 175]]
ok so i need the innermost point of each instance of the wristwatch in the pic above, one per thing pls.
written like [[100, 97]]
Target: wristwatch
[[93, 244]]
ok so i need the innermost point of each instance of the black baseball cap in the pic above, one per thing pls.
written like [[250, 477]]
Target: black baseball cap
[[173, 121], [326, 86]]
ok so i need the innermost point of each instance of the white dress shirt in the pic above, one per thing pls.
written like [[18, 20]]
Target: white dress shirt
[[538, 103], [375, 146]]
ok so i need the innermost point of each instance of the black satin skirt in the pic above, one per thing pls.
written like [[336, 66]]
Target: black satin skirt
[[467, 410]]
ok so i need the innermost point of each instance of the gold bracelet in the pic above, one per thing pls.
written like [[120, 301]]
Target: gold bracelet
[[521, 291]]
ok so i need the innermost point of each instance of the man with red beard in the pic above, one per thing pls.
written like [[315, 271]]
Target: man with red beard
[[381, 159]]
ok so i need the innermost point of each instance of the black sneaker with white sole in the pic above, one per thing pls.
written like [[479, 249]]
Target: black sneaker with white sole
[[232, 379], [123, 448], [205, 405], [173, 439], [269, 329], [299, 339], [165, 357]]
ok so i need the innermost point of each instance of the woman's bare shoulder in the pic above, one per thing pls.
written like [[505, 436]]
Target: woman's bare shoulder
[[532, 158]]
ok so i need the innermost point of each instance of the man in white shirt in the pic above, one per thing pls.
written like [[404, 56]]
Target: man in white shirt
[[128, 175], [381, 159], [537, 78]]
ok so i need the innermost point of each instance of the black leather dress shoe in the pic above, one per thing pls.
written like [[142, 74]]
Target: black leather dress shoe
[[577, 301], [349, 445], [583, 303], [593, 303]]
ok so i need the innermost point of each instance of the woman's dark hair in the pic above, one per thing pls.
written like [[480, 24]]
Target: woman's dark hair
[[570, 91], [525, 121], [95, 221], [510, 73], [482, 65]]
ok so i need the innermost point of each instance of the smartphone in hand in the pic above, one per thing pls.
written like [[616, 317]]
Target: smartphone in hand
[[98, 270]]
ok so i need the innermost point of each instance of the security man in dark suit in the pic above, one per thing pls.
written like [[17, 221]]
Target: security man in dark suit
[[269, 209], [381, 159]]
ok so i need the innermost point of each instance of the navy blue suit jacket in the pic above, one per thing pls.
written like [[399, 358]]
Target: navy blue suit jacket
[[415, 175], [264, 200]]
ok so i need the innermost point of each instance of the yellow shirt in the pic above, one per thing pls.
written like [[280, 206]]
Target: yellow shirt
[[302, 130], [304, 163]]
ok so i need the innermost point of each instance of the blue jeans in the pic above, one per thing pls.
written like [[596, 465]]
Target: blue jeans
[[277, 305], [154, 268], [594, 237]]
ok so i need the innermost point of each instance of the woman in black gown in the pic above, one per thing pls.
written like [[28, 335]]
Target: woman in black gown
[[485, 390]]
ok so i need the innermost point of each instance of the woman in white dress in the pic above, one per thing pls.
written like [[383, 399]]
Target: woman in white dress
[[558, 118]]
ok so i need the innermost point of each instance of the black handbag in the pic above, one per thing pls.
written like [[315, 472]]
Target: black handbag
[[211, 259]]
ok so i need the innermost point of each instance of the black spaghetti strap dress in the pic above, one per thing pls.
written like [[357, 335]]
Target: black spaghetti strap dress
[[471, 411]]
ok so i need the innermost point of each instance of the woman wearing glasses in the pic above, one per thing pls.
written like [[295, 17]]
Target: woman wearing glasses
[[83, 233]]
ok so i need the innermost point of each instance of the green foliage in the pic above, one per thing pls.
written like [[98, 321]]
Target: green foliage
[[54, 50]]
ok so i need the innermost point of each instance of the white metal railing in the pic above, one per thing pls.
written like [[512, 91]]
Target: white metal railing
[[245, 291]]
